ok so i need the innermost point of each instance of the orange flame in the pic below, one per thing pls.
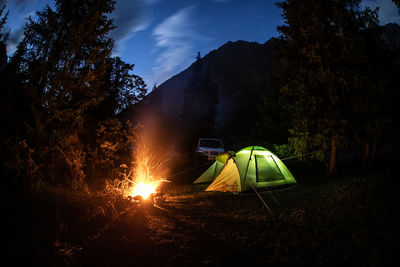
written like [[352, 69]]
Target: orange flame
[[148, 173], [143, 189]]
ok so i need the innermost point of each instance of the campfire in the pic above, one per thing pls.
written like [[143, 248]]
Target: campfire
[[141, 182], [147, 176], [144, 190]]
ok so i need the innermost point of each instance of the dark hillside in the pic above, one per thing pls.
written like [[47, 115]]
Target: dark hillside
[[241, 70]]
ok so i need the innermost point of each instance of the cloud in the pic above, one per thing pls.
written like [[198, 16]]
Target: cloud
[[14, 38], [18, 10], [388, 11], [21, 5], [130, 16], [175, 37]]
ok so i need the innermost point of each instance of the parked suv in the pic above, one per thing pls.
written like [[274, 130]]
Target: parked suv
[[208, 149]]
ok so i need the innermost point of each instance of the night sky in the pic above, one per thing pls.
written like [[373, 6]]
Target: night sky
[[162, 37]]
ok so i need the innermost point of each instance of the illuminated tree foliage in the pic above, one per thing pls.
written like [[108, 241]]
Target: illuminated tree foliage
[[322, 73], [75, 88]]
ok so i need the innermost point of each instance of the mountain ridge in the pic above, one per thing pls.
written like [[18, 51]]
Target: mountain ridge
[[228, 65], [242, 70]]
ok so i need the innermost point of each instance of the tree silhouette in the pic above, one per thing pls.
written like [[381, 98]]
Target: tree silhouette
[[199, 106], [3, 20], [397, 2], [320, 69], [3, 38], [73, 84]]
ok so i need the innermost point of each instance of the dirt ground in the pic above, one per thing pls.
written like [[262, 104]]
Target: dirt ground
[[320, 221]]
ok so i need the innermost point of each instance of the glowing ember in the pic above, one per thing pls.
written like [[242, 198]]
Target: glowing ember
[[143, 189]]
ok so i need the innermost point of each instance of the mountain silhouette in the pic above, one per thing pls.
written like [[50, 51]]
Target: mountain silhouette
[[240, 69], [242, 72]]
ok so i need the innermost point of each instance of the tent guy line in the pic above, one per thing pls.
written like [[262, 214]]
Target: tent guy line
[[191, 169], [302, 155]]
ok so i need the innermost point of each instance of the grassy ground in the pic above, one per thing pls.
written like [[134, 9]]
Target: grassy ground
[[348, 219]]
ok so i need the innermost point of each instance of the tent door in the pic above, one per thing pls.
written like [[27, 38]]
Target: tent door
[[266, 169]]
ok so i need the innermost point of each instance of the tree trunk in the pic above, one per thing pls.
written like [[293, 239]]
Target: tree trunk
[[366, 154], [332, 164], [373, 152]]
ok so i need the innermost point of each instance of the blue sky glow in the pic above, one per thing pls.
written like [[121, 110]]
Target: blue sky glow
[[162, 37]]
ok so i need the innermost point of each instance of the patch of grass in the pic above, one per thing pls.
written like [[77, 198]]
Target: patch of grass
[[348, 220]]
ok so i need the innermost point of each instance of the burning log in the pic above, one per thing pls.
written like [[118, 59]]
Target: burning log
[[141, 182], [146, 192]]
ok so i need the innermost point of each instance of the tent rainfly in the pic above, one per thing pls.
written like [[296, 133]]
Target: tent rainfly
[[253, 165]]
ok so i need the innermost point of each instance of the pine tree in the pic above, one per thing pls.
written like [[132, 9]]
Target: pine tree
[[370, 101], [3, 20], [3, 38], [63, 55], [190, 115], [199, 106], [397, 2], [209, 99], [320, 68], [72, 82]]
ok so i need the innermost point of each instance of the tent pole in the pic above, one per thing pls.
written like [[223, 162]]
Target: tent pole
[[265, 204], [276, 201], [277, 166], [245, 178], [247, 167]]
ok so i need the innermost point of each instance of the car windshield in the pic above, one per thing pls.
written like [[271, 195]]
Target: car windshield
[[211, 143]]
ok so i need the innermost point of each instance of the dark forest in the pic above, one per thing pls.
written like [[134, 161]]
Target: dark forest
[[98, 170]]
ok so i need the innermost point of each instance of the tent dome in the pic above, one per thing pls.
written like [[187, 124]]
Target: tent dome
[[252, 166], [253, 148]]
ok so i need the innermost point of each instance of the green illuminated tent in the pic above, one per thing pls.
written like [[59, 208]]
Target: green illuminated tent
[[214, 170], [253, 165]]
